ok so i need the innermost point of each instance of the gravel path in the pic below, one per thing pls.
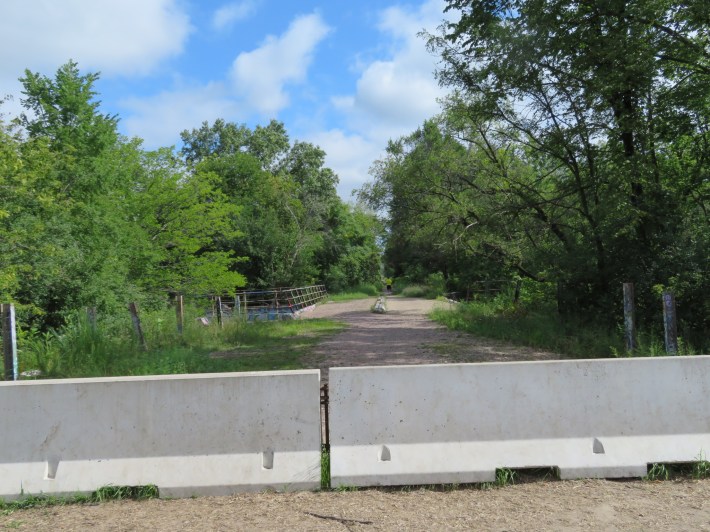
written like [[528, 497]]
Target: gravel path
[[403, 336]]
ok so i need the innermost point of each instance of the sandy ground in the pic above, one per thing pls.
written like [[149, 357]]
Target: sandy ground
[[569, 505], [403, 336]]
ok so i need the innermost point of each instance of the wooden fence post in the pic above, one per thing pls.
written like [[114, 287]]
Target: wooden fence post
[[670, 324], [629, 317], [516, 294], [91, 317], [179, 313], [133, 309], [9, 342], [219, 312]]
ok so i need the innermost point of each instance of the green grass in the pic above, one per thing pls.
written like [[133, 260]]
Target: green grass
[[420, 290], [106, 493], [543, 328], [110, 350], [698, 469], [348, 296], [325, 467], [361, 291]]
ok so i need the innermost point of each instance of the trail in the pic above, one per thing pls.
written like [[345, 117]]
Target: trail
[[404, 335]]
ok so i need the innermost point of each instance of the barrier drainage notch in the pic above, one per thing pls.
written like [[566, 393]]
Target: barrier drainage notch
[[267, 459], [385, 455], [597, 446], [52, 466]]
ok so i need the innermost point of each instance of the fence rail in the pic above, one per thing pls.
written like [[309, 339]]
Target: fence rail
[[274, 303]]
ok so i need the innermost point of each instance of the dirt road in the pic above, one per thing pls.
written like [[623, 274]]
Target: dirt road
[[403, 336]]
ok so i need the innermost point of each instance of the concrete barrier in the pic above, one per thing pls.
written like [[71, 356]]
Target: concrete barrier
[[187, 434], [459, 423]]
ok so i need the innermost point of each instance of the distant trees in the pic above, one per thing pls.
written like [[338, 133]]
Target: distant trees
[[294, 227], [575, 149], [90, 218]]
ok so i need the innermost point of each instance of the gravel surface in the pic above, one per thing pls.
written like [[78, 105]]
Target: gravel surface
[[403, 336]]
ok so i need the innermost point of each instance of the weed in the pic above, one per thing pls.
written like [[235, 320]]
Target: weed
[[698, 469], [119, 493], [325, 467], [106, 493], [83, 351], [701, 470], [505, 477]]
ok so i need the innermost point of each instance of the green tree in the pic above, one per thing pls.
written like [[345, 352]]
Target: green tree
[[604, 100]]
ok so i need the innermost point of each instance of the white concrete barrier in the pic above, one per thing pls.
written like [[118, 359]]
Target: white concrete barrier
[[187, 434], [459, 423]]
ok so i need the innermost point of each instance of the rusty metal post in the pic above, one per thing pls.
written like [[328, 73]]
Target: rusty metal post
[[670, 324], [325, 415]]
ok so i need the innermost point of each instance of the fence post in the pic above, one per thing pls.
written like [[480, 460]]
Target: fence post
[[516, 294], [670, 325], [629, 317], [133, 309], [91, 318], [179, 313], [9, 341], [219, 311]]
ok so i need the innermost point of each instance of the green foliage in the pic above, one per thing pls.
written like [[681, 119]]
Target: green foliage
[[502, 320], [111, 349], [573, 153], [699, 469], [324, 467], [103, 494], [505, 477], [90, 219], [361, 291]]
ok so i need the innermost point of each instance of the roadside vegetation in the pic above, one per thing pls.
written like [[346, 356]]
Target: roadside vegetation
[[534, 321], [574, 168], [361, 291], [111, 348]]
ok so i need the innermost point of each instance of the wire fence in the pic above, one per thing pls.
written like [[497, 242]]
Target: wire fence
[[268, 305]]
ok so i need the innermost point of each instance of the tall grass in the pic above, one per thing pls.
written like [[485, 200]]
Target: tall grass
[[543, 328], [361, 291], [111, 349]]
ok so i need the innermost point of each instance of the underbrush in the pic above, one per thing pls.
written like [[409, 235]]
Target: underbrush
[[111, 349], [544, 328], [361, 291]]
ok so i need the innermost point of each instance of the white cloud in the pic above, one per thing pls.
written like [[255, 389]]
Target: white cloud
[[127, 37], [228, 14], [159, 119], [260, 76], [392, 97], [398, 93], [349, 155]]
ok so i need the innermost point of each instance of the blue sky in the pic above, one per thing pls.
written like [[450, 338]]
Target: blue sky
[[347, 76]]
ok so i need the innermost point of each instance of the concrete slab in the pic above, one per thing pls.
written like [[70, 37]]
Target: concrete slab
[[459, 423], [188, 434]]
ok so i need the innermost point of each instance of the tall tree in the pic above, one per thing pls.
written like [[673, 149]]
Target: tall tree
[[602, 96]]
